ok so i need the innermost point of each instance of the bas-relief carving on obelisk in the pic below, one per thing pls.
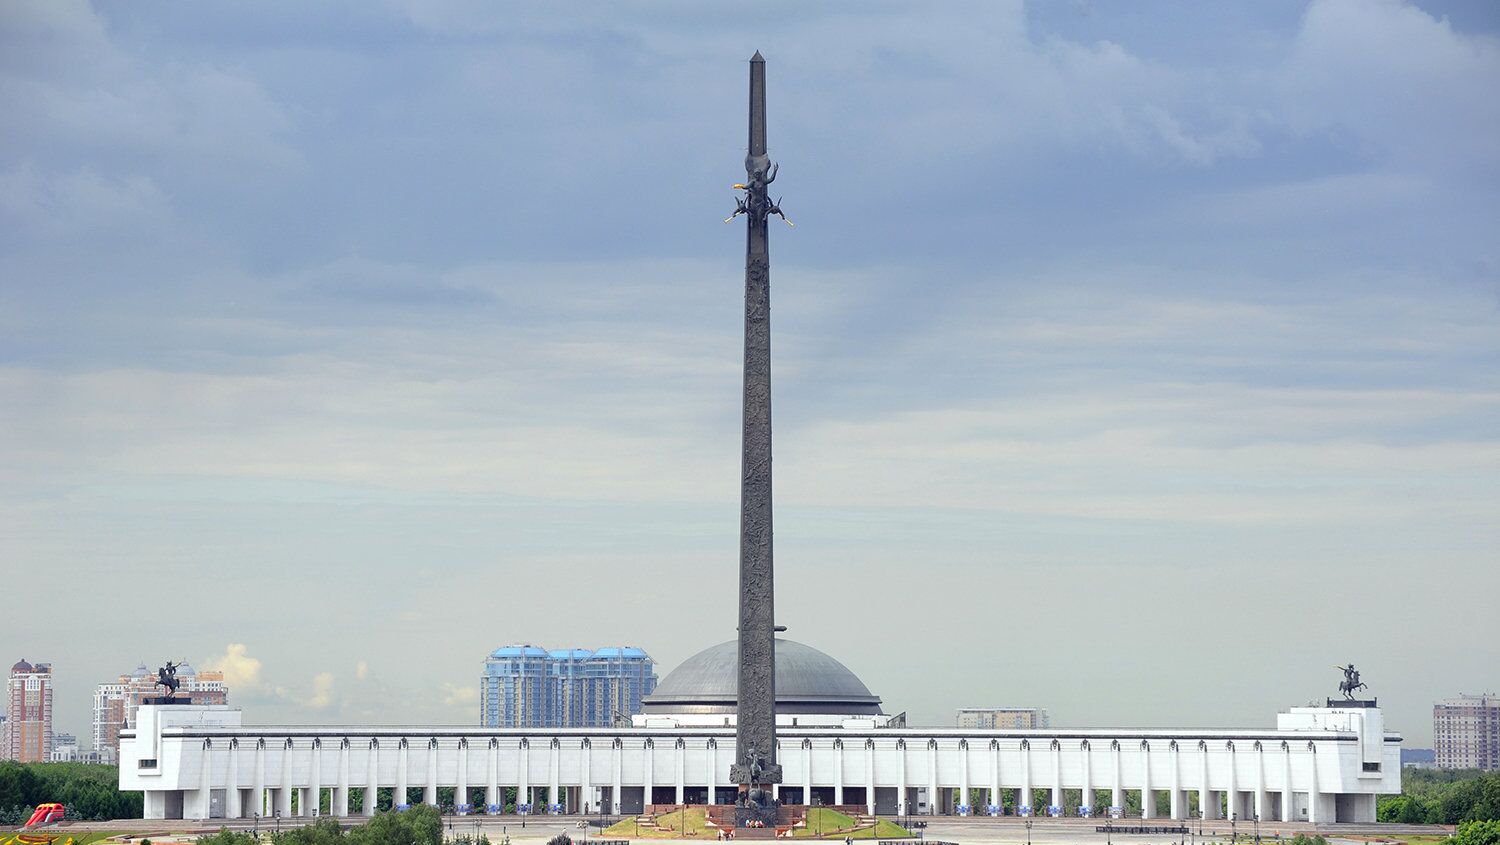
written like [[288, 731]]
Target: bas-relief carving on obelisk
[[755, 765]]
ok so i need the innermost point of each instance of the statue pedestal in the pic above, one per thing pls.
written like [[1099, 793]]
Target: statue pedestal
[[167, 700], [1352, 704], [757, 810]]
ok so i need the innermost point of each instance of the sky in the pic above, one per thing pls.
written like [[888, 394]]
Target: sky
[[1136, 361]]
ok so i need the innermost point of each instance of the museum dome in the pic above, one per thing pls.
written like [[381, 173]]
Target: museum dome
[[807, 681]]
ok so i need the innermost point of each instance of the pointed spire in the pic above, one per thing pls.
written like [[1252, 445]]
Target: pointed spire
[[757, 57]]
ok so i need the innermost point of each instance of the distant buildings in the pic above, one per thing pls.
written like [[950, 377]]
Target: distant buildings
[[115, 703], [524, 686], [1003, 718], [28, 711], [1466, 732]]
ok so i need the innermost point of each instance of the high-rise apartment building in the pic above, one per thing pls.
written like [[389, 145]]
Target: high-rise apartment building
[[1004, 718], [28, 711], [1466, 732], [115, 702], [524, 686]]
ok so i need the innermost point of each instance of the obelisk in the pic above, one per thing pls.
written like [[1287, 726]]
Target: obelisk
[[755, 765]]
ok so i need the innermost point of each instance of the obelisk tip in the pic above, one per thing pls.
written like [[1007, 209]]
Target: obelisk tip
[[758, 57]]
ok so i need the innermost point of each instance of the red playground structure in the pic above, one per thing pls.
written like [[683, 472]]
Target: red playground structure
[[45, 814]]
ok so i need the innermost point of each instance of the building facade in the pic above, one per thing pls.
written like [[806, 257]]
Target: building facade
[[524, 686], [1319, 764], [28, 710], [1466, 732], [1003, 717], [116, 702]]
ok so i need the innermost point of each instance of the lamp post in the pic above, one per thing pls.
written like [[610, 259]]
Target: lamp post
[[1256, 819], [1028, 832]]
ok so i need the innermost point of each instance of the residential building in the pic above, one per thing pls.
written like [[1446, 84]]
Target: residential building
[[1466, 732], [28, 708], [525, 686], [64, 749], [1003, 718], [115, 703]]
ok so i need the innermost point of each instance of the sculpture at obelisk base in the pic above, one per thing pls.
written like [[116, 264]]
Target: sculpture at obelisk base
[[755, 767]]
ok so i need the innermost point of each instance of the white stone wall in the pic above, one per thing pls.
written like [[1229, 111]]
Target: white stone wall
[[207, 764]]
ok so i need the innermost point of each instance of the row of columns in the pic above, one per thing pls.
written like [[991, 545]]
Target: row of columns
[[310, 795]]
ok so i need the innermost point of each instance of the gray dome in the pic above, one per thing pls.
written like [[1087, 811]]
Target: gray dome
[[807, 681]]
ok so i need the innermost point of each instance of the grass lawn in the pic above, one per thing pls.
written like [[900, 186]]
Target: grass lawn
[[822, 819], [818, 819], [55, 838], [828, 821], [667, 825]]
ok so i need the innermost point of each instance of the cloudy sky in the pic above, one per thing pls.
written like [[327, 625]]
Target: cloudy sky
[[1137, 361]]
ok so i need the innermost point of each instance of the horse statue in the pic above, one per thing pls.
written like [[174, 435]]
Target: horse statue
[[1350, 684], [166, 676]]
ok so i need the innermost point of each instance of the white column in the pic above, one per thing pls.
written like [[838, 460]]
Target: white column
[[492, 776], [679, 751], [900, 777], [553, 749], [1204, 810], [403, 751], [1117, 789], [1260, 782], [339, 805], [313, 803], [1314, 812], [713, 772], [1231, 800], [932, 780], [994, 774], [617, 765], [461, 788], [233, 807], [284, 792], [963, 772], [806, 772], [1025, 779], [1148, 800], [838, 772], [205, 781], [586, 776], [1057, 790], [372, 778], [870, 776], [258, 789], [1286, 782], [647, 775], [1087, 793], [1178, 811], [429, 794], [523, 789]]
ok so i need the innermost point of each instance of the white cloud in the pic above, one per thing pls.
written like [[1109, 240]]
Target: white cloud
[[241, 671], [456, 696]]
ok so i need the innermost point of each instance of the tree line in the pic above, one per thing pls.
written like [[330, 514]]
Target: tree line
[[88, 791], [1443, 796]]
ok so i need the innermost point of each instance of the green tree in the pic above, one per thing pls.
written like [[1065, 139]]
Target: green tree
[[1477, 833], [228, 837]]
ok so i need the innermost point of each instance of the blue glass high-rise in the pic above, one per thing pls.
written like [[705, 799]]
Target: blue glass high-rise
[[524, 686]]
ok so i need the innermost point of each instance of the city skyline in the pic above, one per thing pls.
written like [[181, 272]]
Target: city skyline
[[1140, 362]]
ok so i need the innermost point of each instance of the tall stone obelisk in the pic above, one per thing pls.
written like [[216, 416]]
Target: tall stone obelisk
[[755, 765]]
